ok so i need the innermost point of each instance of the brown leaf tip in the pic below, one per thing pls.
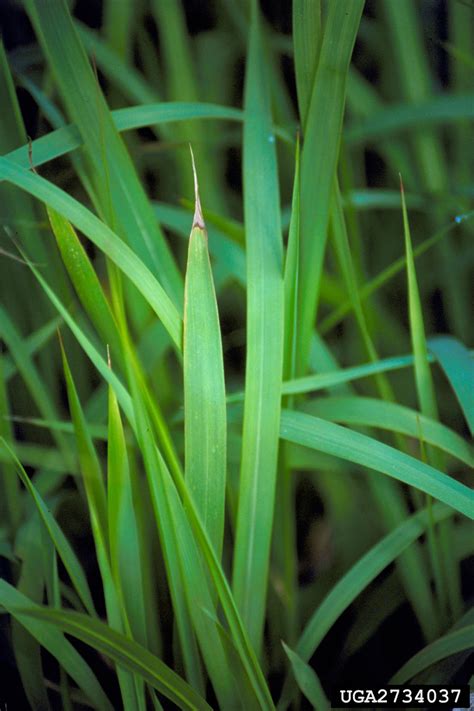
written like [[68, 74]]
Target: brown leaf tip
[[402, 189], [198, 219]]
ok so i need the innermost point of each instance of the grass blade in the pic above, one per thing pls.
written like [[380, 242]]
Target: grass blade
[[103, 237], [264, 361], [319, 156], [451, 643], [308, 682], [458, 366], [354, 447], [112, 171], [204, 387], [387, 550], [21, 607], [393, 417]]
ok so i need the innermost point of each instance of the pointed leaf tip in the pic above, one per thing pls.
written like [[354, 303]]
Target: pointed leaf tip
[[198, 220]]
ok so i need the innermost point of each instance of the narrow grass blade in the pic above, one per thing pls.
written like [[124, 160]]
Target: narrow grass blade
[[180, 82], [451, 643], [30, 584], [189, 587], [458, 366], [34, 343], [112, 171], [89, 462], [63, 547], [132, 693], [11, 507], [264, 360], [64, 140], [308, 682], [319, 156], [424, 383], [382, 278], [125, 558], [284, 551], [124, 652], [204, 388], [29, 371], [322, 381], [368, 452], [385, 552], [390, 416], [85, 281], [86, 344], [433, 111], [103, 237], [19, 606], [307, 35]]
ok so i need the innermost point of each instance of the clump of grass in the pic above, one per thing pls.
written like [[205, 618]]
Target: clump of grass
[[251, 432]]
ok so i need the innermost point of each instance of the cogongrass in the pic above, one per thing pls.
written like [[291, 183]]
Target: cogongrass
[[192, 508]]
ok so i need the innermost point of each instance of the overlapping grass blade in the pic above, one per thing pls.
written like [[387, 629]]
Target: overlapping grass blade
[[123, 651], [112, 171], [308, 682], [132, 692], [103, 237], [458, 366], [432, 111], [307, 35], [26, 648], [391, 416], [85, 282], [319, 156], [387, 550], [264, 357], [205, 417], [424, 382], [188, 586], [63, 547], [354, 447], [11, 506], [125, 557], [18, 605], [445, 646]]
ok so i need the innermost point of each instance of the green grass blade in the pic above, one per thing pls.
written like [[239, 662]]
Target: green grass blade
[[307, 34], [439, 110], [319, 156], [445, 646], [103, 237], [264, 360], [390, 416], [123, 651], [458, 366], [64, 140], [125, 558], [63, 547], [86, 344], [11, 506], [92, 477], [345, 375], [354, 447], [89, 461], [308, 682], [387, 550], [85, 282], [424, 382], [30, 583], [204, 388], [18, 605], [112, 170]]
